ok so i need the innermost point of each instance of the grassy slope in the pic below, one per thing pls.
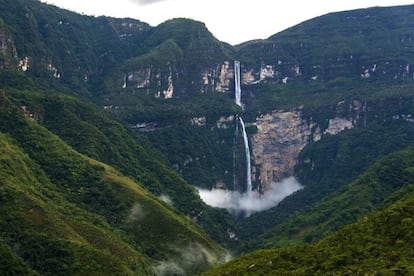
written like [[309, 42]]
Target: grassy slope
[[12, 263], [50, 234], [99, 136], [361, 197], [378, 243], [92, 197], [84, 215]]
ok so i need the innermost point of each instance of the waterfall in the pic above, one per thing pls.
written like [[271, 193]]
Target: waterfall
[[249, 202], [237, 88], [125, 82], [236, 134], [248, 165], [237, 96]]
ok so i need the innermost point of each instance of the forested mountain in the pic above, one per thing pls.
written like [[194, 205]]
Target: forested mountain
[[377, 244], [72, 207], [108, 128]]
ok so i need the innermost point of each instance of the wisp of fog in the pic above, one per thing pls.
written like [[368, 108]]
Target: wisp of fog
[[249, 203]]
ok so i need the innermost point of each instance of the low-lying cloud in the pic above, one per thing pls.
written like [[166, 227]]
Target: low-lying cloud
[[168, 268], [236, 202], [136, 213], [192, 257], [166, 199]]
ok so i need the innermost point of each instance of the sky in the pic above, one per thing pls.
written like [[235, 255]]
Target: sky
[[231, 21]]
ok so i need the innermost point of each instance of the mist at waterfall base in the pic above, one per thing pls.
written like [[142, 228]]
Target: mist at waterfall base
[[252, 202]]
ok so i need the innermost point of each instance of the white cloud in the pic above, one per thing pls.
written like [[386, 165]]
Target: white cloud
[[192, 255], [168, 268], [136, 213], [253, 202], [166, 199]]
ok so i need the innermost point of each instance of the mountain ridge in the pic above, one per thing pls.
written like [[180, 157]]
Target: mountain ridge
[[116, 121]]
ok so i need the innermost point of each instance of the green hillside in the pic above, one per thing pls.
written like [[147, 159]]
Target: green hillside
[[361, 197], [44, 232], [77, 207], [102, 137], [66, 50], [380, 243], [106, 126], [341, 46]]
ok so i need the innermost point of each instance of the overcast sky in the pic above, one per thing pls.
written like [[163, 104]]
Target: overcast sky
[[232, 21]]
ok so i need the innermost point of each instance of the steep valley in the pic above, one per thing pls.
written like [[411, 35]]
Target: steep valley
[[110, 128]]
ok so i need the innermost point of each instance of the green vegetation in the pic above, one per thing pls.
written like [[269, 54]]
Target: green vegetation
[[41, 226], [320, 99], [380, 243], [97, 168], [339, 46], [101, 137], [68, 51], [323, 168], [363, 196], [77, 207], [11, 263], [175, 111]]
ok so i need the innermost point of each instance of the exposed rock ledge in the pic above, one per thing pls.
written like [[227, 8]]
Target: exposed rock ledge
[[279, 139], [337, 125]]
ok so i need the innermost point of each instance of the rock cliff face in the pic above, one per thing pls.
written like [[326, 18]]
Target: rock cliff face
[[219, 77], [337, 125], [276, 145], [151, 80], [161, 82], [279, 139], [224, 78], [216, 77], [8, 53]]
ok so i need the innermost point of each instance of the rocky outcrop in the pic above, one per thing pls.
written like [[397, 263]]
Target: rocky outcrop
[[276, 145], [337, 125], [8, 53], [151, 80], [162, 82], [219, 77], [225, 122], [225, 78], [280, 137]]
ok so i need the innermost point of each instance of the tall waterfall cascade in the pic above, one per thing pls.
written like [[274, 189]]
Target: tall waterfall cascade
[[248, 164], [237, 86], [237, 92], [236, 133]]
